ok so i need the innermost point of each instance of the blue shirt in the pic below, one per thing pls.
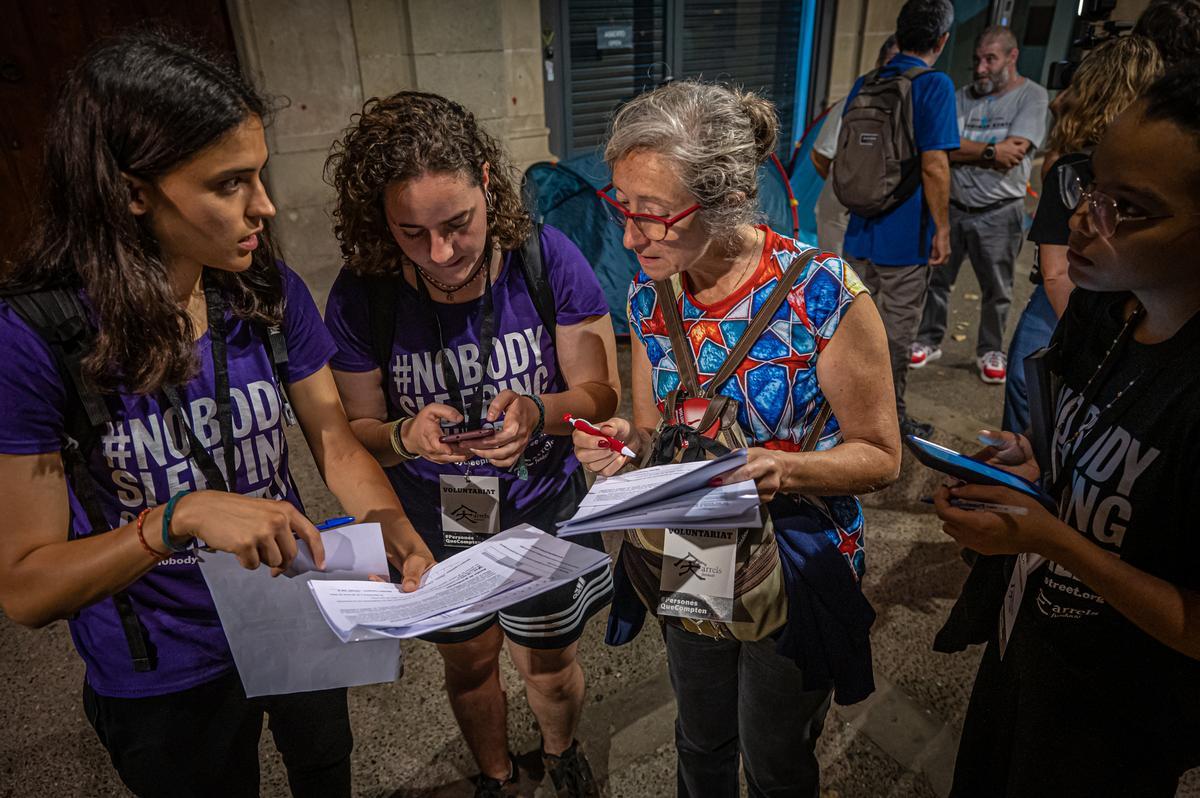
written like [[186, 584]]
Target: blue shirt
[[903, 235]]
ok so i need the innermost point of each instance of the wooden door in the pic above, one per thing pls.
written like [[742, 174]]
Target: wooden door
[[40, 40]]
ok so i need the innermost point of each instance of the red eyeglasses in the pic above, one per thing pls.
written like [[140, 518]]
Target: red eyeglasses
[[652, 227]]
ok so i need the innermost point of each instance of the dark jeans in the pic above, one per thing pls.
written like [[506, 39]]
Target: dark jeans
[[733, 698], [1033, 332], [203, 741], [992, 241]]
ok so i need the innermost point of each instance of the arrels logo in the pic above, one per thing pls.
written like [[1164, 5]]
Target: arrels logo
[[690, 565], [465, 515]]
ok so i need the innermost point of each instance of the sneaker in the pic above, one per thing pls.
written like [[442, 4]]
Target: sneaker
[[571, 774], [918, 428], [993, 367], [920, 354], [487, 787]]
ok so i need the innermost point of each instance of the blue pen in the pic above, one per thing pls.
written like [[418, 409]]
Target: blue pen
[[333, 523]]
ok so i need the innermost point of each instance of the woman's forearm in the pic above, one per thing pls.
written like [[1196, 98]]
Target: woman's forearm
[[1166, 612], [359, 483], [594, 401], [851, 467], [376, 437]]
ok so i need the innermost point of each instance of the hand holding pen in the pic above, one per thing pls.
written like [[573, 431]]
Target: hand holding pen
[[608, 441]]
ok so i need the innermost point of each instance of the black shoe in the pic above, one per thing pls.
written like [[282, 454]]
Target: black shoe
[[571, 774], [909, 426], [487, 787]]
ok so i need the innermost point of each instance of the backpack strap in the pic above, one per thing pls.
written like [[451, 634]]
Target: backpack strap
[[534, 270], [762, 318], [277, 348], [59, 318], [383, 300], [669, 292]]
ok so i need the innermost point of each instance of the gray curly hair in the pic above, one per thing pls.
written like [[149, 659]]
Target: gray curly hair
[[715, 135]]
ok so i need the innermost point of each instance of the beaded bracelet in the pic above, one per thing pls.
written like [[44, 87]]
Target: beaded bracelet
[[141, 519], [541, 422], [166, 524]]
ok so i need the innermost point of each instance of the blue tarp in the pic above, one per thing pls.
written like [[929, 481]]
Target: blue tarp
[[564, 195]]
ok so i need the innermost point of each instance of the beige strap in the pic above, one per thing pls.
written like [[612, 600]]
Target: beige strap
[[759, 323]]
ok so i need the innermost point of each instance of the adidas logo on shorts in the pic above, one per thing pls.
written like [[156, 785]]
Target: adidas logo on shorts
[[579, 586]]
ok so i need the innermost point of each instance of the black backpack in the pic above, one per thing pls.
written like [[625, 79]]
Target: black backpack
[[385, 293], [877, 165], [59, 318]]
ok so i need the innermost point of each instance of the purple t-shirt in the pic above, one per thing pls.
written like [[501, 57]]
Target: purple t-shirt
[[523, 359], [141, 460]]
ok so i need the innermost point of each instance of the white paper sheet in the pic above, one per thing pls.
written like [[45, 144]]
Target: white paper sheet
[[667, 496], [507, 568], [280, 641]]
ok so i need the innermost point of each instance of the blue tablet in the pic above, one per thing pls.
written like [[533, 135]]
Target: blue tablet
[[959, 466]]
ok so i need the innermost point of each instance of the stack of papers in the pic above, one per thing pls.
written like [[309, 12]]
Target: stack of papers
[[279, 640], [676, 495], [497, 573]]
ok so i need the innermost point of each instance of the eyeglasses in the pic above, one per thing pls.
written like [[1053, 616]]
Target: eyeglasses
[[652, 227], [1103, 214]]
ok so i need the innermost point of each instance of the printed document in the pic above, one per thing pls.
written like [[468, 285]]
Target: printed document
[[674, 495], [279, 639], [497, 573]]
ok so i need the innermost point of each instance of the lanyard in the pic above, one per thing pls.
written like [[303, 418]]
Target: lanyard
[[472, 416], [203, 458]]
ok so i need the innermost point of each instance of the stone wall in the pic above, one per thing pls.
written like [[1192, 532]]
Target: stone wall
[[328, 56]]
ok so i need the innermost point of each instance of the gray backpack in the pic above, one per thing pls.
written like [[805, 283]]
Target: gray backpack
[[877, 165]]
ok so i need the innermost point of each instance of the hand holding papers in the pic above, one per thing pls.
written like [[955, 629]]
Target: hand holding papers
[[280, 642], [502, 570], [676, 495]]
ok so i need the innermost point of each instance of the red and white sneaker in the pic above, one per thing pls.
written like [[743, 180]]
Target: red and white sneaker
[[920, 354], [993, 367]]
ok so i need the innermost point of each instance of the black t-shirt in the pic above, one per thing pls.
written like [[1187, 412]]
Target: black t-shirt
[[1050, 221], [1085, 703]]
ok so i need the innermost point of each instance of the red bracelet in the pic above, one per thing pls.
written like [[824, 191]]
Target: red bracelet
[[141, 519]]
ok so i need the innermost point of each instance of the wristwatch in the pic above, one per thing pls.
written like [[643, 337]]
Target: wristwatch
[[989, 152]]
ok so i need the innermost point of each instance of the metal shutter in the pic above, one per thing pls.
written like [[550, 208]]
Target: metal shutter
[[751, 43], [601, 80]]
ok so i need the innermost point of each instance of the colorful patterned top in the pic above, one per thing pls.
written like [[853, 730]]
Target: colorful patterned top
[[780, 373]]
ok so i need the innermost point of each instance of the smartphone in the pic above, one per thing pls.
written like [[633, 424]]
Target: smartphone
[[469, 435], [970, 470]]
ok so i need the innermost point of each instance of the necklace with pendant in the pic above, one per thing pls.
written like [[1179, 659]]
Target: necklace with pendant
[[449, 289]]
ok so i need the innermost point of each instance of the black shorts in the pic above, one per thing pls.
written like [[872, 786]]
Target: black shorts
[[554, 619]]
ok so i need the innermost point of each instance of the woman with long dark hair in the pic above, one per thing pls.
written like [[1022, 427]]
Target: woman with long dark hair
[[145, 390], [456, 316]]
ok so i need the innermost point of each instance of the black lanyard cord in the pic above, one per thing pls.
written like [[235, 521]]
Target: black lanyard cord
[[216, 332], [473, 415]]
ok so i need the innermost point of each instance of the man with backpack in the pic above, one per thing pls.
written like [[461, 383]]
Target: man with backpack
[[1002, 116], [893, 174]]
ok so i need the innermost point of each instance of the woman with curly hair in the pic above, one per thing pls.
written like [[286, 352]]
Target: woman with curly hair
[[456, 365], [142, 332], [1107, 82]]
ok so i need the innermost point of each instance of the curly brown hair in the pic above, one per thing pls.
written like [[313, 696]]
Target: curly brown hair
[[403, 137]]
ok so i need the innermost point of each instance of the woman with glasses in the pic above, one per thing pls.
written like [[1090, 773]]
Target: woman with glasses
[[1107, 82], [456, 373], [1090, 682], [684, 161]]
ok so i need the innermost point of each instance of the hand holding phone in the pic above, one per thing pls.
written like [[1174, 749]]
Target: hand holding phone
[[454, 433]]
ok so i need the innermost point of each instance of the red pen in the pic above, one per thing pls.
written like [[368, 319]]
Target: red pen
[[586, 427]]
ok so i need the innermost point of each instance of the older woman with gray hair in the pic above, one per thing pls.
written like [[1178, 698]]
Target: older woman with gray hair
[[800, 377]]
